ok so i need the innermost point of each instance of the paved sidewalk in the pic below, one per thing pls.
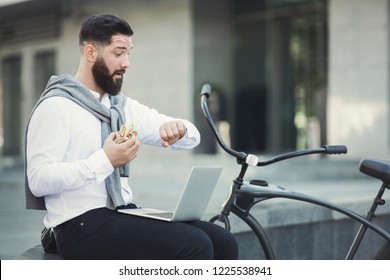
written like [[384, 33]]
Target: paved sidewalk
[[157, 181]]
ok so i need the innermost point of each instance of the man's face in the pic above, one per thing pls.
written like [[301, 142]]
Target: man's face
[[105, 79], [111, 64]]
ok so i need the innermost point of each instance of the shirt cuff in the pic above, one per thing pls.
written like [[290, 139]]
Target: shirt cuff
[[101, 166], [190, 139]]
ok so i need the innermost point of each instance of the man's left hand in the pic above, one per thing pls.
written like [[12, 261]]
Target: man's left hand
[[171, 132]]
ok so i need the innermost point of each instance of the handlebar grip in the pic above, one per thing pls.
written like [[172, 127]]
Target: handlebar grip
[[206, 90], [335, 149]]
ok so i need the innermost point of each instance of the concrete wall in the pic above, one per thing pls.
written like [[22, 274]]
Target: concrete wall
[[358, 100]]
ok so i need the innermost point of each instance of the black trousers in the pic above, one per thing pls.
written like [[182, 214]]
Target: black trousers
[[106, 234]]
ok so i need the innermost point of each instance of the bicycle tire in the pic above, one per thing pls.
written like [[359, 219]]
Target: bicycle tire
[[384, 252]]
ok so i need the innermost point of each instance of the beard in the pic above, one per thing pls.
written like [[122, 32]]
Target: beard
[[106, 80]]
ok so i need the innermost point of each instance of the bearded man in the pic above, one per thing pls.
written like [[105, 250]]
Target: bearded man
[[79, 174]]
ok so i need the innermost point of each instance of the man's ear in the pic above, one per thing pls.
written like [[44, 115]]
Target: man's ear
[[90, 53]]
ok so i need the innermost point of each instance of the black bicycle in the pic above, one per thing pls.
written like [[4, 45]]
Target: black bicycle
[[244, 195]]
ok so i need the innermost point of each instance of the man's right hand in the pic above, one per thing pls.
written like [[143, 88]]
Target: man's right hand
[[120, 154]]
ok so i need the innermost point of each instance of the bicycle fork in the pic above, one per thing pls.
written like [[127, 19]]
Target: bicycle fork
[[231, 205], [378, 201], [232, 197]]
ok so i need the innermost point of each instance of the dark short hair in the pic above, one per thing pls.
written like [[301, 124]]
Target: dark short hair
[[100, 29]]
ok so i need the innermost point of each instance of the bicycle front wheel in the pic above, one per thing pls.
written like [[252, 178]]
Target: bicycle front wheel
[[384, 252]]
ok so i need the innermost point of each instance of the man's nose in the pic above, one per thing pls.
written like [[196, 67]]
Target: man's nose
[[126, 63]]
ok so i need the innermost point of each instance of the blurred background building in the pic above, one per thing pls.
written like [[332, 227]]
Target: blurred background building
[[286, 74]]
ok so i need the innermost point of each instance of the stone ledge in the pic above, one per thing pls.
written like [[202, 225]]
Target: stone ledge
[[37, 253]]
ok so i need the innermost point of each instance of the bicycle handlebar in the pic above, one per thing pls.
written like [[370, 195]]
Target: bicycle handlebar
[[206, 91], [252, 159]]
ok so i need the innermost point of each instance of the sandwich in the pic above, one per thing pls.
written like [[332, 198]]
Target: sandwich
[[125, 133]]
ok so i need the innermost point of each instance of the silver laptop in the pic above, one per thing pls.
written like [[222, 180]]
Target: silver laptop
[[193, 200]]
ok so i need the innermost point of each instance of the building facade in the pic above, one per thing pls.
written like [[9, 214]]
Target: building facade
[[286, 74]]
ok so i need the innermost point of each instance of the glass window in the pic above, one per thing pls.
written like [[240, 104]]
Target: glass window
[[44, 68], [11, 90]]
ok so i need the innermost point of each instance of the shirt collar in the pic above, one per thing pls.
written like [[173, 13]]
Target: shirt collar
[[106, 102]]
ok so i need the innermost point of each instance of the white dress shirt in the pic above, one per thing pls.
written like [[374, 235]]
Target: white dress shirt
[[66, 162]]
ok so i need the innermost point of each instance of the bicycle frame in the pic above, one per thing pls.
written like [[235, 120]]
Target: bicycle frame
[[257, 194], [243, 197]]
